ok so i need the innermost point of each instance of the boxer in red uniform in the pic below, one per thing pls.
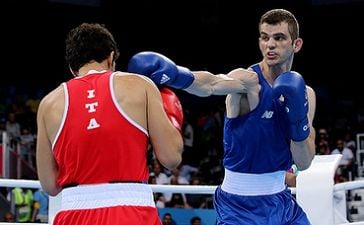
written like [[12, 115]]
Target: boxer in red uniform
[[93, 136]]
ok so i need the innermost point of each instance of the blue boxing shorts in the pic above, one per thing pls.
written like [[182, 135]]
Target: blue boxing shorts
[[233, 208]]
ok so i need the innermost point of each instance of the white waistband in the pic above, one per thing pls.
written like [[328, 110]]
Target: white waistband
[[253, 184], [106, 195]]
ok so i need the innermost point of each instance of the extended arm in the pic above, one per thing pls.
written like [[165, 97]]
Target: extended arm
[[237, 81], [165, 72]]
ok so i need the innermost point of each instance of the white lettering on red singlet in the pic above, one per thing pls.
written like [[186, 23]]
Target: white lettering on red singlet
[[91, 93], [93, 124], [91, 109]]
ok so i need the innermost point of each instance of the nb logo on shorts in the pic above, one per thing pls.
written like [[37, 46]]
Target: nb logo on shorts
[[267, 114], [305, 127], [164, 78]]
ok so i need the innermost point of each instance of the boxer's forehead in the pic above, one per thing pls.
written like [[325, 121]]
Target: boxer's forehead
[[274, 29]]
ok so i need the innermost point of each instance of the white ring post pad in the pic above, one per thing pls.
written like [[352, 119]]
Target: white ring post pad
[[315, 189]]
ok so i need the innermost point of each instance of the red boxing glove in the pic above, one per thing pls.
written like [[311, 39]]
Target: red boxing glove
[[173, 107]]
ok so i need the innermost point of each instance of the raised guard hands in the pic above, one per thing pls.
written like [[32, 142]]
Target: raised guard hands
[[292, 87], [173, 107]]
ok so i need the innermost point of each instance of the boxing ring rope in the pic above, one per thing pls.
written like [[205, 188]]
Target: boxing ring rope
[[323, 201]]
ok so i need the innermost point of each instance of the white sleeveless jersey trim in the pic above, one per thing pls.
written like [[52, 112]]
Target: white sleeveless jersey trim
[[90, 72], [95, 71], [118, 106], [66, 102]]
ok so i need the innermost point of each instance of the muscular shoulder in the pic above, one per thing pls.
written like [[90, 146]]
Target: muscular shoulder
[[131, 89], [53, 99], [249, 77], [310, 90], [50, 111], [134, 81], [134, 93], [312, 102], [311, 94]]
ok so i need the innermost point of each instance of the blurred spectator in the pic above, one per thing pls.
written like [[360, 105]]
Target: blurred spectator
[[177, 201], [197, 200], [168, 220], [187, 170], [23, 201], [349, 141], [323, 134], [188, 138], [9, 217], [157, 171], [323, 147], [176, 179], [176, 174], [33, 101], [344, 171], [159, 198], [195, 220], [2, 125], [160, 178], [27, 146], [40, 207], [13, 129]]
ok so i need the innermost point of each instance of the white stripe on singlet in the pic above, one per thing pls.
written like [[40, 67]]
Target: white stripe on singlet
[[106, 195]]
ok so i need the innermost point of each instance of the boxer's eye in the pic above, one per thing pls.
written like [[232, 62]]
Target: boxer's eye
[[264, 37], [279, 37]]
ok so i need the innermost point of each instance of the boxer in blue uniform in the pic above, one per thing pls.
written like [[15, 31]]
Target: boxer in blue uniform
[[268, 123], [257, 156]]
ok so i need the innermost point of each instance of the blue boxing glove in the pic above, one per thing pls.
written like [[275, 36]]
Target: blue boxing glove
[[292, 87], [160, 69]]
